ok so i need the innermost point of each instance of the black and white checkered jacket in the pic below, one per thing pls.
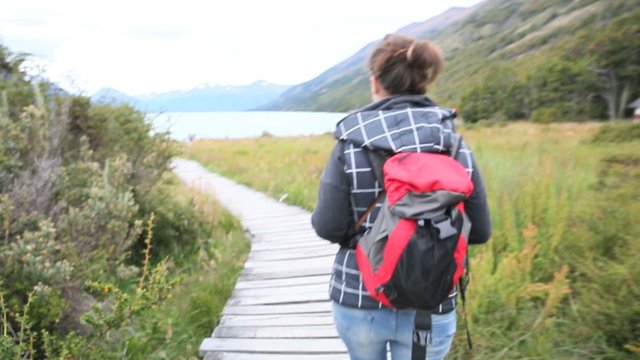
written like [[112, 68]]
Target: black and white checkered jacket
[[348, 185]]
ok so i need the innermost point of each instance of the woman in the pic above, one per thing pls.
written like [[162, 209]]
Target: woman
[[401, 68]]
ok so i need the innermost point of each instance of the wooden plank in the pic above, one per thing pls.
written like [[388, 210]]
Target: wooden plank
[[278, 320], [290, 346], [285, 237], [279, 298], [313, 268], [296, 220], [256, 211], [306, 280], [303, 245], [289, 239], [260, 243], [285, 220], [280, 229], [282, 272], [262, 207], [281, 289], [297, 254], [298, 235], [277, 229], [263, 356], [291, 254], [276, 240], [293, 308], [290, 212], [292, 265], [277, 332]]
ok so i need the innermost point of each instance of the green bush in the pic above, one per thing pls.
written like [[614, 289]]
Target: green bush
[[545, 115], [78, 277]]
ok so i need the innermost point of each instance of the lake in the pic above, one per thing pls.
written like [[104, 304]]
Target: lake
[[223, 125]]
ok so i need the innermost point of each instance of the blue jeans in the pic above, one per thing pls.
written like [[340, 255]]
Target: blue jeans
[[366, 333]]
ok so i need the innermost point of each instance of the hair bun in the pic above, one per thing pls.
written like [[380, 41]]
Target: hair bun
[[405, 65], [411, 52]]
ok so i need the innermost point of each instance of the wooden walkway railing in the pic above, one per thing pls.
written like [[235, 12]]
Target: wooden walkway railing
[[280, 307]]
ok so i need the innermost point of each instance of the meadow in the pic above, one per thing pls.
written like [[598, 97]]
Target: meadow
[[559, 277]]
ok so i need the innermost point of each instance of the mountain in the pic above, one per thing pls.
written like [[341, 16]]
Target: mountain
[[203, 98], [508, 59], [113, 96], [333, 90]]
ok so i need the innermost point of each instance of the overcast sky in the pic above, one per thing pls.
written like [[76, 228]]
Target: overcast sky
[[141, 46]]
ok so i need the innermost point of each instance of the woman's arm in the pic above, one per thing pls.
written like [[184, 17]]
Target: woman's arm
[[477, 209], [332, 218]]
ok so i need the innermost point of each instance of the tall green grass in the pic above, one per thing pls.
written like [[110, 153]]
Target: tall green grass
[[558, 279], [176, 328]]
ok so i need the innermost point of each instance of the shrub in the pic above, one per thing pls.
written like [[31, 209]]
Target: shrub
[[77, 181], [617, 133], [549, 114]]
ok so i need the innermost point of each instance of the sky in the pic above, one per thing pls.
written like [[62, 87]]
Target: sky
[[142, 46]]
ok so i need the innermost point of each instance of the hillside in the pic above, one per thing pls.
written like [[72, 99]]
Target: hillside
[[333, 90], [203, 98], [513, 49]]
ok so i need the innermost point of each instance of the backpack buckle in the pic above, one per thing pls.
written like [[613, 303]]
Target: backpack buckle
[[421, 337], [444, 226], [422, 329]]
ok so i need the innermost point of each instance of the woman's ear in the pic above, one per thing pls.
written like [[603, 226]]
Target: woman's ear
[[377, 91]]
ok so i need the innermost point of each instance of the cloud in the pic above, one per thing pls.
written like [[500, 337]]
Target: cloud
[[145, 46]]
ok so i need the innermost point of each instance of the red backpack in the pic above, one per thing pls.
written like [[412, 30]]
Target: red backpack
[[413, 257]]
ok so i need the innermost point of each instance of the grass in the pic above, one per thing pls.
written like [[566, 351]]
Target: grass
[[280, 167], [564, 232], [292, 166]]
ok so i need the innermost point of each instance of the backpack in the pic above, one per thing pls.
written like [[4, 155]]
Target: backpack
[[414, 255]]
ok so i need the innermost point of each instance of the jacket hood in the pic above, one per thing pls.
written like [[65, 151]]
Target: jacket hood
[[399, 123]]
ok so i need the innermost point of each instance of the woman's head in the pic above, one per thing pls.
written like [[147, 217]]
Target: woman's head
[[403, 66]]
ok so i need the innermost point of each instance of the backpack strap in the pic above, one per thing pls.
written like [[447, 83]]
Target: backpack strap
[[463, 283], [377, 159], [466, 227], [421, 335], [369, 209], [457, 143]]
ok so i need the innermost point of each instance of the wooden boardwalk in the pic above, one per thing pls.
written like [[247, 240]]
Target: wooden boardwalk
[[280, 307]]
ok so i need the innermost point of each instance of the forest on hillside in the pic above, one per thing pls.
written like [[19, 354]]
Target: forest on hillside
[[534, 60], [589, 70]]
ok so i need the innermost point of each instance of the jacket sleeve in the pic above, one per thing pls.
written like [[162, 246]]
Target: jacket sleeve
[[332, 218], [477, 209]]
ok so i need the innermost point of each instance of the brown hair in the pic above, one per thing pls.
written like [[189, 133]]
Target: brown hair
[[404, 65]]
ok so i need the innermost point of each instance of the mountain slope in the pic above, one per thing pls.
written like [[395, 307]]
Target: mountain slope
[[506, 43], [203, 98], [333, 90]]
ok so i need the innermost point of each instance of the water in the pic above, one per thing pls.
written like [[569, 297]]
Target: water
[[223, 125]]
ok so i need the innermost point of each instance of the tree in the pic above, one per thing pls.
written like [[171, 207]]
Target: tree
[[615, 56], [561, 87], [15, 91], [498, 96]]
